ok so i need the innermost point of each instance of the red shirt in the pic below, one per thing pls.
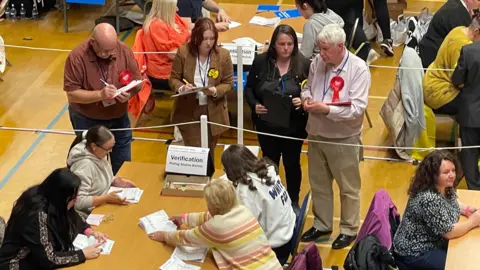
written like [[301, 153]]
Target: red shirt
[[84, 70]]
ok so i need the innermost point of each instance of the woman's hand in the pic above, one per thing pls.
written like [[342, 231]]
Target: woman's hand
[[101, 237], [122, 182], [297, 103], [260, 109], [211, 91], [177, 220], [113, 198], [222, 16], [157, 236], [92, 252], [185, 88], [221, 26]]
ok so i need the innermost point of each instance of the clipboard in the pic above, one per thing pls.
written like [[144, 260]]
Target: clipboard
[[279, 108], [191, 91], [128, 87]]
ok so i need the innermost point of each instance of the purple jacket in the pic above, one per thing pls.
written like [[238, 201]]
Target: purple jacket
[[377, 222]]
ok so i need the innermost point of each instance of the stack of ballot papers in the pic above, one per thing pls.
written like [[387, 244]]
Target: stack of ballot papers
[[94, 219], [157, 222], [257, 20], [177, 264], [128, 87], [194, 254], [83, 241], [132, 195]]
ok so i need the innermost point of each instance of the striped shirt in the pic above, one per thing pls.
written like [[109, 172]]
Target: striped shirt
[[236, 239]]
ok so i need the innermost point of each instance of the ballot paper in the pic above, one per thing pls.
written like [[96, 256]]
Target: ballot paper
[[132, 195], [82, 241], [177, 264], [128, 87], [94, 219], [258, 20], [194, 254], [233, 24], [157, 222]]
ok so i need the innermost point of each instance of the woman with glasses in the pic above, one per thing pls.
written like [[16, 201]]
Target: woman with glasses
[[88, 159]]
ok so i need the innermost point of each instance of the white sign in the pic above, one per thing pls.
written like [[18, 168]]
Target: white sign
[[248, 52], [187, 160]]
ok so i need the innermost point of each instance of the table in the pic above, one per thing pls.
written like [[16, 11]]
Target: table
[[462, 252], [243, 13], [133, 249]]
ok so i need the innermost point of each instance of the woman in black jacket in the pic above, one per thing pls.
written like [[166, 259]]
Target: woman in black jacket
[[273, 93], [43, 225]]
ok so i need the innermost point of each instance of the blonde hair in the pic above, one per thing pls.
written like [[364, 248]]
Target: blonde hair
[[164, 10], [220, 196]]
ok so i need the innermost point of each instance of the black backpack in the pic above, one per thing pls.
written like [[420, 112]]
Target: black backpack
[[369, 254]]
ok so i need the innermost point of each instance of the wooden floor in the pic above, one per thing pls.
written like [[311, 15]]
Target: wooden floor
[[31, 96]]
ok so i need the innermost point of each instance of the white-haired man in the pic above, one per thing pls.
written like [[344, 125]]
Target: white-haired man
[[336, 96]]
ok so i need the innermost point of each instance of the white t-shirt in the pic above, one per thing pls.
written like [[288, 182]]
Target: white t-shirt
[[271, 206]]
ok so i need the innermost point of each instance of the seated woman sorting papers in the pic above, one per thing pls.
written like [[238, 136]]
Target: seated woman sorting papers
[[88, 159], [229, 229], [432, 214]]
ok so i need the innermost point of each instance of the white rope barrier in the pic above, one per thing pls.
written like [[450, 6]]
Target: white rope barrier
[[59, 131], [349, 144], [65, 50]]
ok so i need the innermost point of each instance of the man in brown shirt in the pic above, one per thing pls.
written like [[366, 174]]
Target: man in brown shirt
[[102, 57]]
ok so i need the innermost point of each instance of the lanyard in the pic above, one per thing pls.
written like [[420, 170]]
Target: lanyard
[[203, 78], [325, 88]]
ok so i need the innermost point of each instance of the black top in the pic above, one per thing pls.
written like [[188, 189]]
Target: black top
[[466, 74], [190, 9], [427, 217], [36, 247], [265, 76], [452, 14]]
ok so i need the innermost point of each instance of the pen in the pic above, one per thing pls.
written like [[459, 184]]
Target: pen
[[104, 82], [185, 81]]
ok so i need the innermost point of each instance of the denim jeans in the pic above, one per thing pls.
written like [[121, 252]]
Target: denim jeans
[[122, 150], [434, 260]]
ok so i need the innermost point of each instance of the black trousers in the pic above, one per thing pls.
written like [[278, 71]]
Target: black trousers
[[383, 17], [290, 151], [350, 10], [469, 156], [159, 84]]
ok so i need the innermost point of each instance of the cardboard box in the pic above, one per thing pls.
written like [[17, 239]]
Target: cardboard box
[[184, 186]]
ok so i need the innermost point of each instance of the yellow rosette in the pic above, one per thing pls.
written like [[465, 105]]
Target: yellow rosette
[[213, 73]]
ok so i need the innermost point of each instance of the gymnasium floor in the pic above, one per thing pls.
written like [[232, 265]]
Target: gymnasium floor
[[31, 96]]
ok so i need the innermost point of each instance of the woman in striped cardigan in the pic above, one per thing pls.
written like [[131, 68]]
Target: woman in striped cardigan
[[229, 229]]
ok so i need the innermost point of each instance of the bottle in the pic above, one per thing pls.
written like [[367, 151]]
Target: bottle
[[13, 13], [23, 13], [7, 13], [35, 13]]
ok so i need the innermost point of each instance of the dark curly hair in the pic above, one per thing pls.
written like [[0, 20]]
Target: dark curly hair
[[238, 161], [427, 173]]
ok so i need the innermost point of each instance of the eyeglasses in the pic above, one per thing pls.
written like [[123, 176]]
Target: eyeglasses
[[106, 150]]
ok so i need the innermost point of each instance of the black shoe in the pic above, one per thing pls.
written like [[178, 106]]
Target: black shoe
[[313, 234], [387, 47], [343, 241]]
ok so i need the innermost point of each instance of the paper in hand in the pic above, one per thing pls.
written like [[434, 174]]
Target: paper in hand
[[83, 241], [195, 254]]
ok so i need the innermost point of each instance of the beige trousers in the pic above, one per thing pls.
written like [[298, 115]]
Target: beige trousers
[[327, 162]]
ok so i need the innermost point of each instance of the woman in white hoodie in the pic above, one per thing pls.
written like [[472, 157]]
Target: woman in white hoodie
[[88, 160], [260, 189]]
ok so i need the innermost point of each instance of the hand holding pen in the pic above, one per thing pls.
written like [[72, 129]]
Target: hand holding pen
[[108, 91], [186, 87]]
